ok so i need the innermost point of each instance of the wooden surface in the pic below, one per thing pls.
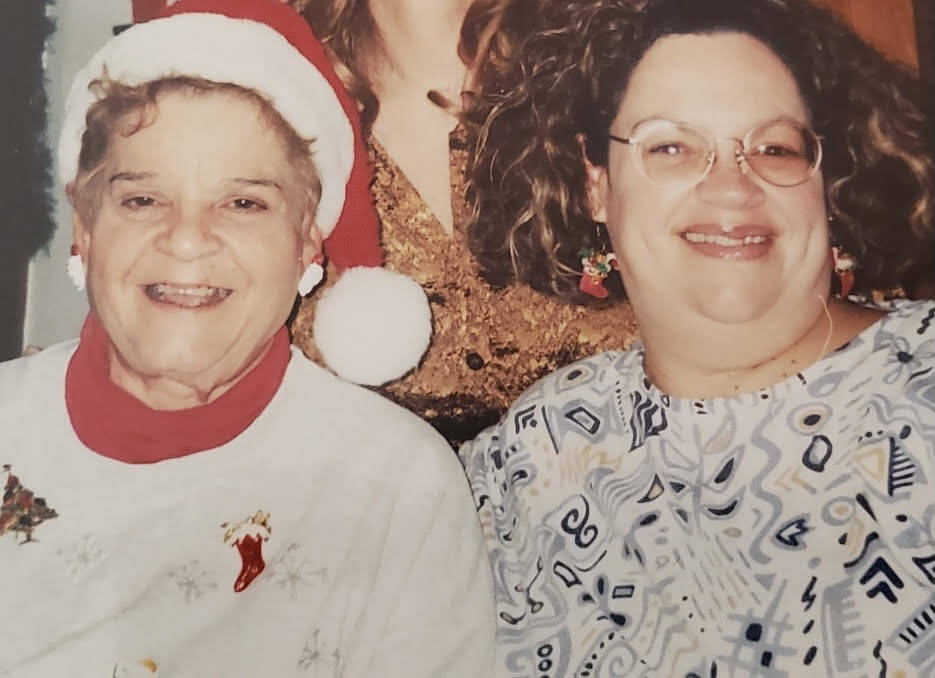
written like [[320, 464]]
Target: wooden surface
[[888, 25]]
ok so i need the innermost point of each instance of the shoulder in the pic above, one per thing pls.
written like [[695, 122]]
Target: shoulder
[[905, 341], [43, 363], [904, 334], [884, 378], [899, 349], [365, 426], [24, 378], [914, 321], [589, 380], [532, 461], [577, 405]]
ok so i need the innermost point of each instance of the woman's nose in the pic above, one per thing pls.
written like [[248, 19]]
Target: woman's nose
[[729, 181], [188, 234]]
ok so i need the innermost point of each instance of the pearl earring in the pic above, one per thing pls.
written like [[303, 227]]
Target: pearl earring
[[75, 269], [312, 276]]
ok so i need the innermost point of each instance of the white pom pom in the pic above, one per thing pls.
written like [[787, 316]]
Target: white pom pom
[[373, 325]]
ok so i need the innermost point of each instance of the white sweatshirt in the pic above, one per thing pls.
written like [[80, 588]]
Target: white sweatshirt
[[344, 521]]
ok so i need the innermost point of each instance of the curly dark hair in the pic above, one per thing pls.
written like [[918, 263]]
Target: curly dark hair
[[553, 88]]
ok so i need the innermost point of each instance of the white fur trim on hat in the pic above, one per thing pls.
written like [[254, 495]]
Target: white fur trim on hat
[[210, 46], [372, 325]]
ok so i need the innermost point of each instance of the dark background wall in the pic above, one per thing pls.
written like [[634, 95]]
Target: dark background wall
[[25, 208]]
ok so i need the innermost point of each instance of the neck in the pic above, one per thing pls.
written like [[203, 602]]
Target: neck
[[684, 367], [171, 392], [419, 45]]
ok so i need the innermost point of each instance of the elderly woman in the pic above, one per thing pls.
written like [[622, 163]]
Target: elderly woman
[[750, 491], [184, 494]]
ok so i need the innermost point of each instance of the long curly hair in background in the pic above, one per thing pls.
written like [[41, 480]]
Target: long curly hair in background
[[550, 85]]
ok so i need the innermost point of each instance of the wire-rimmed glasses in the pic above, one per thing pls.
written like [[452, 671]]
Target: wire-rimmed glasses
[[782, 152]]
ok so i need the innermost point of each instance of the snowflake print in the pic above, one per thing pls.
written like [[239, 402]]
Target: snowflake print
[[82, 556], [291, 570], [319, 659], [192, 580]]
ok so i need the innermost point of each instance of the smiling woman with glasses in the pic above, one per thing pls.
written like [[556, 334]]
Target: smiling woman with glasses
[[751, 490]]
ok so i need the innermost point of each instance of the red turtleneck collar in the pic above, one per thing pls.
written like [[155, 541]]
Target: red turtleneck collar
[[115, 424]]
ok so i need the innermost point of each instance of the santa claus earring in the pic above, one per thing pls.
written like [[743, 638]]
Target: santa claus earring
[[75, 268], [312, 276]]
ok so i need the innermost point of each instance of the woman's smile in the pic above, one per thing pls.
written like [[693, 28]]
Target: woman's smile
[[741, 243], [188, 296]]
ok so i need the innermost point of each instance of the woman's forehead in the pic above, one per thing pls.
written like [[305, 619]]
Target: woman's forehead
[[726, 82], [183, 125]]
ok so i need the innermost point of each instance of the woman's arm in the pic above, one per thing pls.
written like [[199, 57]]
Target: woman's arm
[[435, 577]]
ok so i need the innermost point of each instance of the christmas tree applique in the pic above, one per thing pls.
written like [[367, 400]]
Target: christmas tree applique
[[247, 536], [21, 511]]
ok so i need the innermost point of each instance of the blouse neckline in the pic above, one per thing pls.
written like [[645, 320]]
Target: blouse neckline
[[789, 384]]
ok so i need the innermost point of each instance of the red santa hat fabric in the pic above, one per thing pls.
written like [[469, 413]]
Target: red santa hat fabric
[[265, 46]]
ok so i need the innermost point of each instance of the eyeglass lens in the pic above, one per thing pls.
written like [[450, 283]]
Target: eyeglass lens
[[782, 152]]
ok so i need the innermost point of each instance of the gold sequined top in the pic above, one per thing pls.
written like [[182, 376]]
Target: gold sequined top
[[489, 344]]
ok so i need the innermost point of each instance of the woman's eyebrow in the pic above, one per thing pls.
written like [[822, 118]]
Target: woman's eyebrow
[[131, 176], [139, 176], [256, 182]]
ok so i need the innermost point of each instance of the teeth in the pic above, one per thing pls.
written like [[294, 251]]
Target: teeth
[[187, 295], [723, 240], [200, 290]]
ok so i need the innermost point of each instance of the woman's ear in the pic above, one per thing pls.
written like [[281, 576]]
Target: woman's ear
[[596, 184], [81, 236], [598, 188], [312, 242]]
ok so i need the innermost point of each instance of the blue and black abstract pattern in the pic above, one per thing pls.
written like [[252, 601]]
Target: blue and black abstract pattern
[[786, 532]]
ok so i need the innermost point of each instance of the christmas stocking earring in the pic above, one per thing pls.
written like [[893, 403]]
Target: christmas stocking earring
[[843, 263], [596, 265], [844, 266], [75, 268], [312, 276]]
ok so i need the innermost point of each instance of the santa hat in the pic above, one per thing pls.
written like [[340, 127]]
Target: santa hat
[[371, 326]]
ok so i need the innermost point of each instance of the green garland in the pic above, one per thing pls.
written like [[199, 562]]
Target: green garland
[[26, 206]]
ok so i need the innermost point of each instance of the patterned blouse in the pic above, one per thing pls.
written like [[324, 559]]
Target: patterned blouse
[[784, 532], [488, 344]]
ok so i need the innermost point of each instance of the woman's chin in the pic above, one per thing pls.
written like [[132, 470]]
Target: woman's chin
[[190, 349], [735, 306], [191, 362]]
